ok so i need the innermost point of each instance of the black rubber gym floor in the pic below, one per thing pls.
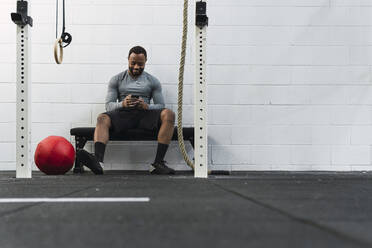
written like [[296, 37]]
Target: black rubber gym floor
[[250, 209]]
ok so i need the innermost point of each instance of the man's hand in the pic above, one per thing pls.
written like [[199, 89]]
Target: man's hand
[[129, 102], [141, 104]]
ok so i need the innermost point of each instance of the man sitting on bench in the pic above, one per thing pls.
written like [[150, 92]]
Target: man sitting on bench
[[128, 106]]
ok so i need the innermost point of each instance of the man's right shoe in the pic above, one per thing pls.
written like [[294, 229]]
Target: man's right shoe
[[160, 168], [90, 161]]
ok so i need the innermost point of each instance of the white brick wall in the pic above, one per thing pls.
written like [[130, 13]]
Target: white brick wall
[[289, 81]]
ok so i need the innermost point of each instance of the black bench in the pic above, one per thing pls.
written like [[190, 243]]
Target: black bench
[[84, 134]]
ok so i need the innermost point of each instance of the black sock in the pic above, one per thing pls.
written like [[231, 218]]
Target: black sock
[[99, 150], [160, 153]]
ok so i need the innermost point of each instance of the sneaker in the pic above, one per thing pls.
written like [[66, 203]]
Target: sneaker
[[90, 161], [160, 168]]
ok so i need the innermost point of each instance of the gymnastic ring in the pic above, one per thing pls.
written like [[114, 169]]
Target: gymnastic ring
[[59, 58]]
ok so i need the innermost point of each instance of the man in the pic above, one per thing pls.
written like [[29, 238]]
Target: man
[[128, 106]]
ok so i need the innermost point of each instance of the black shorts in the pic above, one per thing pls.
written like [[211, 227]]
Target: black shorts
[[123, 119]]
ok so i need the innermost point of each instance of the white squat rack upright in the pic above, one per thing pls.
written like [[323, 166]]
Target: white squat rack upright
[[23, 98], [200, 92]]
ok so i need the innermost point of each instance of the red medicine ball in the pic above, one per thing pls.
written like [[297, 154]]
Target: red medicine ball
[[54, 155]]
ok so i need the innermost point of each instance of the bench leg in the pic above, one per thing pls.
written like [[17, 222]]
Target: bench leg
[[192, 142], [79, 144]]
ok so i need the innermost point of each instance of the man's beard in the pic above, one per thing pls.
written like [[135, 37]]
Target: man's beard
[[139, 72]]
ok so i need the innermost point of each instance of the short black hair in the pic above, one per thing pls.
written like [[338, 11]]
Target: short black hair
[[138, 50]]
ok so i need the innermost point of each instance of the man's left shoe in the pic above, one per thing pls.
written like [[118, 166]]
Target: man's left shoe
[[160, 168]]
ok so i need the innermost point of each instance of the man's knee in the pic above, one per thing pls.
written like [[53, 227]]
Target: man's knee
[[168, 115], [103, 119]]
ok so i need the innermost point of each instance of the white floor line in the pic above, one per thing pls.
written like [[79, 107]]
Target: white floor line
[[76, 199]]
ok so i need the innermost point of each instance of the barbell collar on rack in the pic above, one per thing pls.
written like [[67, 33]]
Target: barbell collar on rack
[[20, 17], [201, 14]]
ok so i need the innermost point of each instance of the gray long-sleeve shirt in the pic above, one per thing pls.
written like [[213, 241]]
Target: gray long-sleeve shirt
[[146, 86]]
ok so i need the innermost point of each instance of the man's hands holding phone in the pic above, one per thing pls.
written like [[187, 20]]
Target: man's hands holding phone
[[133, 101]]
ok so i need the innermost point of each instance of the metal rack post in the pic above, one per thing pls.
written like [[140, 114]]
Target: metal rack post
[[200, 92], [23, 86]]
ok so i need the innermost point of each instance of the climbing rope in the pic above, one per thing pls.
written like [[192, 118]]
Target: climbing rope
[[180, 87], [64, 38]]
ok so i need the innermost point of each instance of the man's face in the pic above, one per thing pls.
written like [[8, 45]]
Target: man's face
[[136, 64]]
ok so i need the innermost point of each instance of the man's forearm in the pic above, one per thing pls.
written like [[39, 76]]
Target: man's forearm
[[156, 106], [111, 106]]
